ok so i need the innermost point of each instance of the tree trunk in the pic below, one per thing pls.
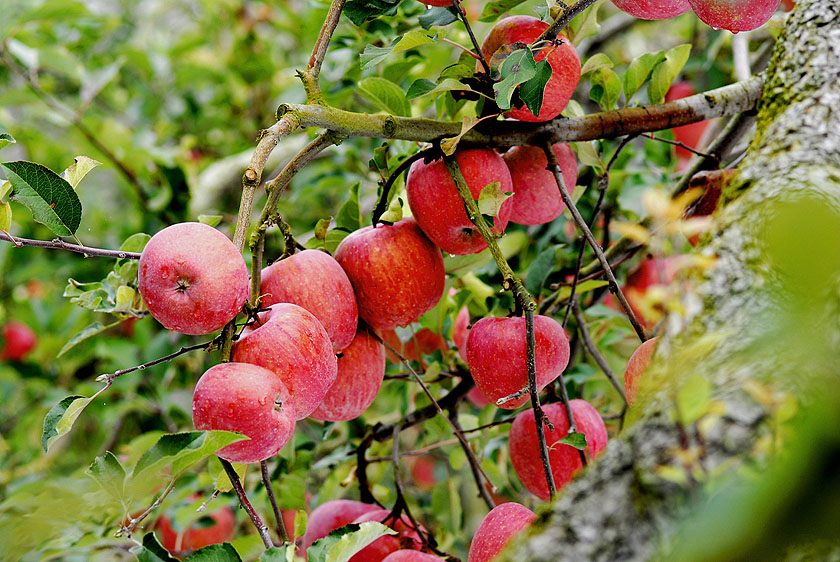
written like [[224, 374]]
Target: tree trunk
[[765, 314]]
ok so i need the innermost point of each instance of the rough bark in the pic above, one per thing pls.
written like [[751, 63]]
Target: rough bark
[[625, 507]]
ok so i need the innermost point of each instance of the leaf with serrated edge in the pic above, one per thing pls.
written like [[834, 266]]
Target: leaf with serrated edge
[[342, 543], [79, 169], [50, 198], [517, 68]]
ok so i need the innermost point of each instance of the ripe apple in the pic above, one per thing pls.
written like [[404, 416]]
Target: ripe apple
[[18, 341], [313, 280], [691, 134], [734, 15], [330, 516], [289, 341], [192, 278], [397, 273], [197, 536], [411, 556], [536, 197], [438, 208], [564, 61], [460, 331], [564, 459], [637, 365], [496, 355], [653, 9], [423, 472], [247, 399], [383, 546], [361, 369], [497, 529]]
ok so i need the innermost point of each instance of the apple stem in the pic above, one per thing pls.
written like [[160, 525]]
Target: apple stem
[[281, 527], [262, 528]]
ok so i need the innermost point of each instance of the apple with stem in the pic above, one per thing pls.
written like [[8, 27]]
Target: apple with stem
[[497, 529], [289, 341], [247, 399], [536, 197], [18, 341], [330, 516], [192, 278]]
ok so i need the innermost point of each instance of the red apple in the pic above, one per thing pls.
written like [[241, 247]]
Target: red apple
[[460, 331], [18, 341], [734, 15], [536, 197], [396, 272], [197, 536], [423, 472], [504, 522], [330, 516], [637, 365], [247, 399], [383, 546], [788, 4], [438, 208], [361, 369], [290, 342], [691, 134], [653, 9], [477, 397], [565, 459], [411, 556], [564, 61], [496, 355], [192, 278], [313, 280], [437, 3]]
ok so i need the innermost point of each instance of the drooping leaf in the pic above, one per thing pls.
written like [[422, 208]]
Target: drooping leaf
[[90, 331], [79, 169], [585, 25], [108, 473], [437, 17], [424, 87], [394, 212], [492, 10], [152, 551], [638, 72], [666, 72], [540, 269], [350, 215], [588, 155], [50, 198], [605, 88], [181, 450], [215, 553], [341, 544], [5, 216], [420, 87], [6, 139], [59, 420], [449, 145], [596, 61], [411, 40], [517, 68], [532, 91], [576, 440], [491, 198], [386, 95]]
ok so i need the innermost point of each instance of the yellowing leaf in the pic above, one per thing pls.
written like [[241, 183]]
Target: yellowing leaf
[[635, 232], [79, 169], [491, 198]]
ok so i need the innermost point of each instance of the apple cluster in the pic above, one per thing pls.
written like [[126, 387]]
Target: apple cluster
[[734, 15]]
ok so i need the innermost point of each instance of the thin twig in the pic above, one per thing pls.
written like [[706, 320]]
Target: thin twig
[[278, 517], [262, 528], [382, 202], [109, 377], [463, 17], [58, 244], [680, 144], [592, 349], [474, 467], [126, 530], [313, 70]]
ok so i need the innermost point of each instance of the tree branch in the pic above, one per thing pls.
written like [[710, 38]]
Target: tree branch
[[243, 500], [58, 244], [278, 517], [310, 76], [109, 378], [568, 15]]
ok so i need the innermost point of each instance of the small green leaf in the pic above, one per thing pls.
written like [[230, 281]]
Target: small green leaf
[[584, 287], [89, 332], [605, 88], [386, 95], [182, 450], [425, 87], [152, 551], [419, 88], [411, 40], [532, 91], [491, 198], [321, 228], [59, 420], [350, 215], [108, 473], [666, 72], [492, 10], [215, 553], [280, 554], [221, 480], [5, 216], [394, 212], [585, 25], [301, 521], [540, 269], [693, 398], [599, 60], [373, 55], [135, 242], [79, 169], [50, 198], [517, 68], [638, 72], [437, 17], [360, 10], [210, 220], [6, 139], [576, 440], [588, 155], [341, 544], [457, 71]]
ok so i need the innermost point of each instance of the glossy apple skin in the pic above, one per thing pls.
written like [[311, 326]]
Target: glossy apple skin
[[198, 537], [397, 273], [637, 365], [361, 369], [247, 399], [383, 546], [313, 280], [497, 529], [536, 197], [691, 134], [653, 9], [565, 459], [734, 15], [411, 556], [18, 340], [564, 61], [496, 355], [438, 208], [330, 516], [192, 278], [292, 344]]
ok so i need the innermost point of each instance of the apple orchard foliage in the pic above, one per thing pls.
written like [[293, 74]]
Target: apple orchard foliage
[[160, 122]]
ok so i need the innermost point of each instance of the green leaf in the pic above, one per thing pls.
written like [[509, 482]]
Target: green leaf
[[210, 220], [334, 238], [108, 473], [89, 332], [517, 68], [59, 420], [321, 228], [605, 88], [588, 155], [532, 91], [350, 215], [5, 189], [5, 216], [576, 440], [419, 88], [360, 10], [491, 198], [540, 269], [437, 17], [6, 139], [386, 95], [135, 242], [182, 450], [341, 544], [693, 398], [153, 551], [221, 480], [215, 553], [79, 169], [638, 72], [424, 87], [280, 554], [599, 60], [666, 72], [301, 521], [585, 25], [50, 198], [394, 212], [583, 287], [492, 10], [411, 40], [449, 145], [373, 55]]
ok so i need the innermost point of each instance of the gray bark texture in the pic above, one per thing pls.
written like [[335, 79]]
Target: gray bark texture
[[628, 505]]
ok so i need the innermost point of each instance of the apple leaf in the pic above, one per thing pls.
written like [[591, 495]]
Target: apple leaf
[[79, 169], [89, 332], [517, 68], [301, 521], [588, 155], [595, 62], [217, 553], [59, 420], [373, 55], [135, 242], [210, 220], [638, 72], [449, 145], [280, 554], [437, 17], [5, 216], [341, 544], [386, 95], [492, 10], [576, 440], [424, 87], [666, 72], [108, 473], [532, 91], [565, 292], [182, 450], [152, 551], [491, 198], [50, 198], [411, 40], [221, 480], [540, 269], [6, 139], [605, 88], [394, 212], [585, 25], [360, 10], [349, 217]]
